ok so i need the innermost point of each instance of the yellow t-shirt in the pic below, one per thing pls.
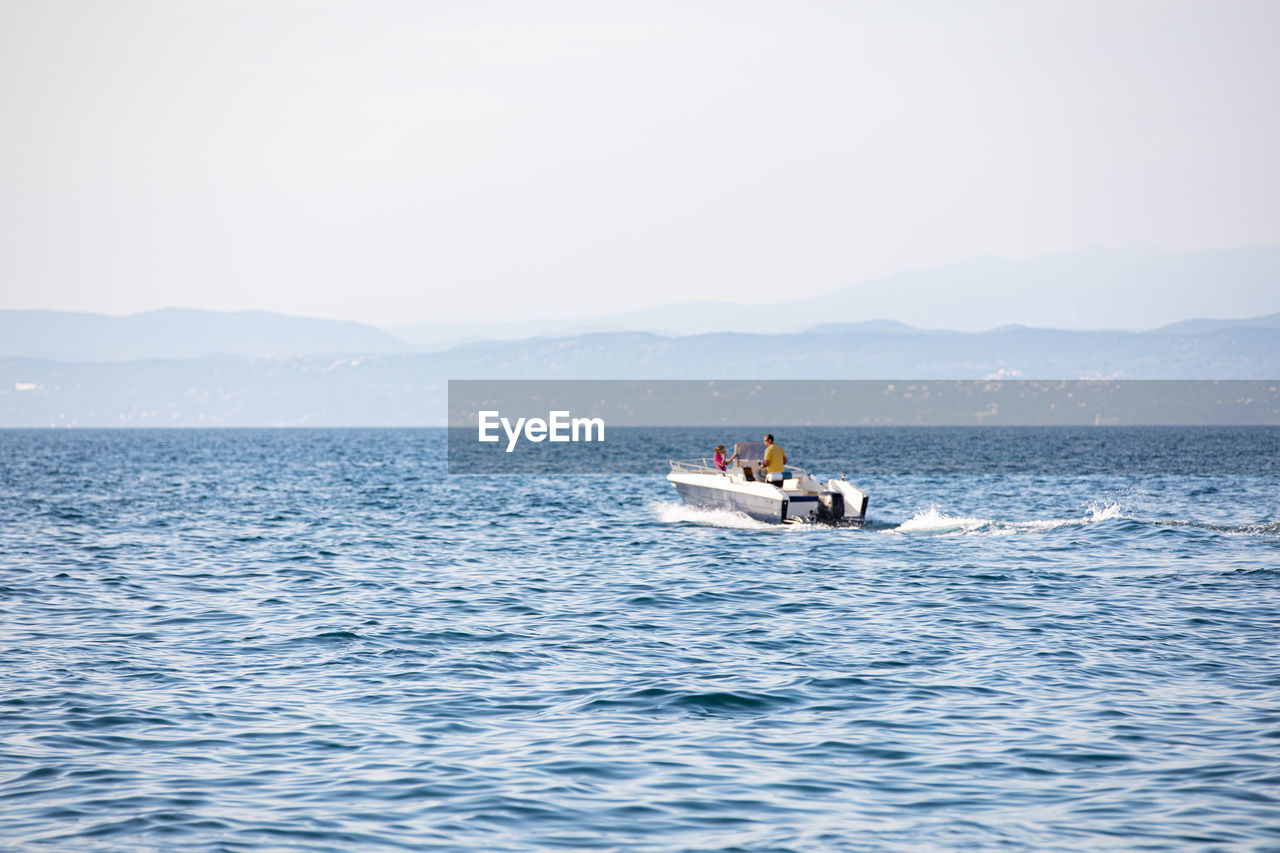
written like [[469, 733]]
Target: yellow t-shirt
[[773, 458]]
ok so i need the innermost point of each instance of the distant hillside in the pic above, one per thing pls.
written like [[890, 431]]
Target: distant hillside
[[864, 327], [1138, 287], [182, 333], [1243, 353], [1134, 288], [1201, 326], [409, 389]]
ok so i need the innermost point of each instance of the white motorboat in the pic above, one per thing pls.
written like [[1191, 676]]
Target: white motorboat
[[795, 496]]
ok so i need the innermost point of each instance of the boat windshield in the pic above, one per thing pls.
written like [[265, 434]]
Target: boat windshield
[[750, 454]]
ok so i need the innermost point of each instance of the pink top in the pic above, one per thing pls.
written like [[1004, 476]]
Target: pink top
[[719, 461]]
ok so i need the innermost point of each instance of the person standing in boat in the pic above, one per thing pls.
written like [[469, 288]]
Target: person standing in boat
[[774, 459]]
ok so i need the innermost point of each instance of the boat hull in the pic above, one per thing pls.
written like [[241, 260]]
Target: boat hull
[[763, 503], [768, 503]]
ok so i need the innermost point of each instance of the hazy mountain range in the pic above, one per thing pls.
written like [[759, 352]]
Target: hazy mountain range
[[190, 367], [1134, 288], [182, 333], [409, 388]]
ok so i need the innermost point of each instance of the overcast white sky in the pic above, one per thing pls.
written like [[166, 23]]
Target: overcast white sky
[[402, 161]]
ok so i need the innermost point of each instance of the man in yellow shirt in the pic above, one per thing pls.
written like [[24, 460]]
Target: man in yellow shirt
[[774, 458]]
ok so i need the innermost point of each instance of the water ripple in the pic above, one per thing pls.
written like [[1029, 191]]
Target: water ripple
[[313, 640]]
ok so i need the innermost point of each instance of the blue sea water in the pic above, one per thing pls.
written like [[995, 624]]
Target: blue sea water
[[247, 640]]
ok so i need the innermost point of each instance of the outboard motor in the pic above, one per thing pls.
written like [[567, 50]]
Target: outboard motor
[[830, 507]]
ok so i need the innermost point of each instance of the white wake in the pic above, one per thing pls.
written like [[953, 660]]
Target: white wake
[[674, 513], [933, 522]]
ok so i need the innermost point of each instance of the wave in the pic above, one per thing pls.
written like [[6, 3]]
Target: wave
[[931, 521], [1260, 528], [674, 513]]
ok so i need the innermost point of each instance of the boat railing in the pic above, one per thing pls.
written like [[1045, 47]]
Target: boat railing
[[695, 466]]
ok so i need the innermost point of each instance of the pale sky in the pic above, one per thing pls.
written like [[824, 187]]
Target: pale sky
[[402, 161]]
